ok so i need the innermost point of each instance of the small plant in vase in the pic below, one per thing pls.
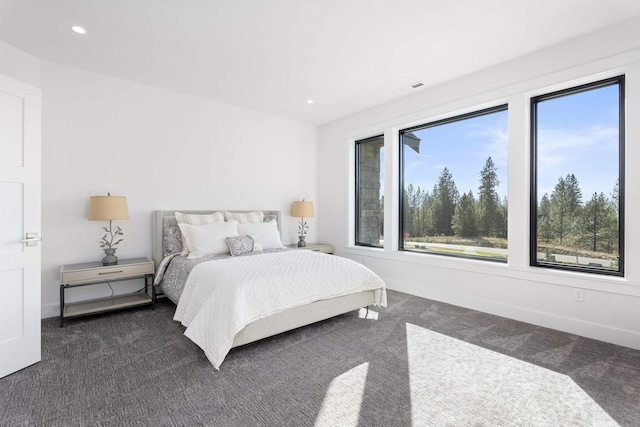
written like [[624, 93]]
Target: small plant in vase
[[302, 232], [108, 245]]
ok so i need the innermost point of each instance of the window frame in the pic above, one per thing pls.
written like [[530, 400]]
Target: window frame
[[533, 192], [357, 189], [401, 195]]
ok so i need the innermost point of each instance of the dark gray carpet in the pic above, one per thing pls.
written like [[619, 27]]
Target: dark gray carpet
[[136, 368]]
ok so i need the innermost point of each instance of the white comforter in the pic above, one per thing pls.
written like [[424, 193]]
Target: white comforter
[[221, 297]]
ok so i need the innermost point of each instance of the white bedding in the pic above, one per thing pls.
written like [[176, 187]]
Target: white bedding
[[221, 297]]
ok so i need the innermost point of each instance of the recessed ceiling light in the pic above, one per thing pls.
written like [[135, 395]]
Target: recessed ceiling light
[[310, 101], [78, 29]]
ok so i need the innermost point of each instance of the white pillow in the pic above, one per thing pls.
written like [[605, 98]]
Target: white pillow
[[265, 234], [253, 217], [195, 219], [209, 239]]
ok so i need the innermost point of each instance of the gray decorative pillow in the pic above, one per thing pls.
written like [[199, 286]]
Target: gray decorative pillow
[[172, 240], [240, 245], [268, 218]]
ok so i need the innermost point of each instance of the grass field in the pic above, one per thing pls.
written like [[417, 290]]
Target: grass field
[[473, 244]]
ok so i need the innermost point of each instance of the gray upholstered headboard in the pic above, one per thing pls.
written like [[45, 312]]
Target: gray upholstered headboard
[[164, 218]]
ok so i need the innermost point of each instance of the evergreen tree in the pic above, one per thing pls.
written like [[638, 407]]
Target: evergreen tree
[[409, 211], [427, 214], [413, 201], [488, 201], [545, 230], [566, 200], [575, 194], [596, 221], [504, 218], [464, 221], [615, 196], [446, 196], [614, 230], [416, 203]]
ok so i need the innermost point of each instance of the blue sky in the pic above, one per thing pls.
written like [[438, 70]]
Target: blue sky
[[463, 147], [577, 134]]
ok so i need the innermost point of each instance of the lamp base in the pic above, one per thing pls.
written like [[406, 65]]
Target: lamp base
[[110, 258], [301, 242]]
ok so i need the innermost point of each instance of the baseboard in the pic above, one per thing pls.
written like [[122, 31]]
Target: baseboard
[[582, 328], [48, 311]]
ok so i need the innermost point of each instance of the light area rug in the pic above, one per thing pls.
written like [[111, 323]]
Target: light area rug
[[456, 383]]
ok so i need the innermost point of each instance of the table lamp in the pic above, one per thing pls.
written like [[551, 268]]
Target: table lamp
[[109, 208], [302, 210]]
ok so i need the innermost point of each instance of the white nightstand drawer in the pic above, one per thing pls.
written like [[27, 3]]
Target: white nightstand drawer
[[91, 272]]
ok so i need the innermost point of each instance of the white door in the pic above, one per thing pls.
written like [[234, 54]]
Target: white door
[[19, 215]]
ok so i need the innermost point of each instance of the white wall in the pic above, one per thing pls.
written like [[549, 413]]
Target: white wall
[[611, 307], [162, 150], [19, 65]]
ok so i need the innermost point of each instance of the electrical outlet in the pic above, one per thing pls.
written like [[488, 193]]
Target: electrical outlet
[[578, 295]]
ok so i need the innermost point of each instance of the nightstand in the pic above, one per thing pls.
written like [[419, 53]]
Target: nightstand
[[317, 247], [93, 273]]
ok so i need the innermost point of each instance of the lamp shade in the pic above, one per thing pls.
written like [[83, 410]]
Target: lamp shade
[[302, 209], [106, 208]]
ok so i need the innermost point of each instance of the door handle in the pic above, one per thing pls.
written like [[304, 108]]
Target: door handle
[[32, 239]]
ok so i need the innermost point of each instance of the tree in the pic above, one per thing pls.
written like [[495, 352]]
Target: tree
[[445, 197], [614, 231], [428, 203], [416, 204], [596, 220], [413, 212], [409, 194], [545, 231], [575, 194], [464, 222], [566, 200], [504, 218], [615, 196], [489, 218]]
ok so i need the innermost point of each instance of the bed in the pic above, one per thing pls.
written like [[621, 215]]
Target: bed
[[192, 285]]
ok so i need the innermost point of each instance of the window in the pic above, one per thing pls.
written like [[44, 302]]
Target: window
[[369, 191], [454, 186], [577, 195]]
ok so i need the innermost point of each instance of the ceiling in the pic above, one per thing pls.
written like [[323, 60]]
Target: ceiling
[[272, 56]]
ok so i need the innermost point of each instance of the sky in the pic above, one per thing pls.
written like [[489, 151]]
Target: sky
[[463, 147], [577, 134]]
